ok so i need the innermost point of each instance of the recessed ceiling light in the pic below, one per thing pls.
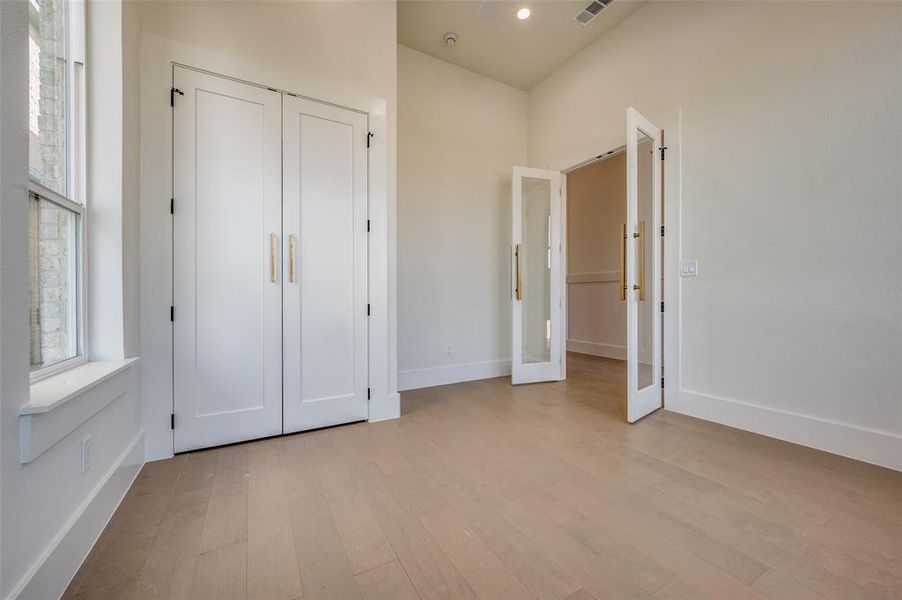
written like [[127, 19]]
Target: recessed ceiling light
[[523, 13]]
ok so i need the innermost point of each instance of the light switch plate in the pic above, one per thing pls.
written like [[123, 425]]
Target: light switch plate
[[688, 268]]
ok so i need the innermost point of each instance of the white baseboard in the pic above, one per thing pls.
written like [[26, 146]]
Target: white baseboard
[[597, 349], [59, 562], [389, 410], [413, 379], [876, 447]]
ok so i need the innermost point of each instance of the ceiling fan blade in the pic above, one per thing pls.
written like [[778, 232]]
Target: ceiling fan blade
[[488, 10]]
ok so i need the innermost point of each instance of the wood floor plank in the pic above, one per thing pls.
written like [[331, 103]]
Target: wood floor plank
[[226, 522], [169, 568], [266, 481], [492, 491], [195, 481], [221, 574], [543, 578], [482, 569], [272, 563], [364, 541], [325, 569], [386, 582], [432, 573]]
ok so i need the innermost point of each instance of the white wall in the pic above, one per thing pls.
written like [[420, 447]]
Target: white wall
[[14, 363], [791, 187], [51, 512], [459, 134], [340, 52]]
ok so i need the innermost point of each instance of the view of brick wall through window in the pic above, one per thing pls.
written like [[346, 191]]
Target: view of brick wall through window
[[52, 243], [57, 230]]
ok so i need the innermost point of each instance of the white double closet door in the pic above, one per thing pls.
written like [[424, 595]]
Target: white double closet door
[[269, 262]]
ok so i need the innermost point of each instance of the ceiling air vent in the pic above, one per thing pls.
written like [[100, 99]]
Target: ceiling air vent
[[586, 15]]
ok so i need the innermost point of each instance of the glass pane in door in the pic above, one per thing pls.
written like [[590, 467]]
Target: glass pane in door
[[535, 270], [644, 240]]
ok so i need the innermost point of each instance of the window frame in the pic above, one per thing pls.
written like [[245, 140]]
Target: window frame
[[76, 185]]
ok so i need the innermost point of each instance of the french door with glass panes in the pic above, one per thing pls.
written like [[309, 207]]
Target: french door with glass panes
[[536, 352], [641, 266]]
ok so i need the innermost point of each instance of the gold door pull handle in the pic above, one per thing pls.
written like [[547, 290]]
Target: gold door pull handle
[[640, 237], [272, 258], [623, 261], [291, 244], [518, 289]]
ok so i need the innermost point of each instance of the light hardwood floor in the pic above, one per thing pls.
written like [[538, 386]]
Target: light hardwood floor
[[484, 490]]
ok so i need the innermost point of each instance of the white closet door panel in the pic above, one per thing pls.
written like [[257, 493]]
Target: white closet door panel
[[229, 208], [325, 306], [227, 328]]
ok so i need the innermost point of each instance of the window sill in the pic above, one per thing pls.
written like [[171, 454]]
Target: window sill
[[62, 402]]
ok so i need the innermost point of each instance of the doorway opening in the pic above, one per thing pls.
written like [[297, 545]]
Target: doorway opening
[[613, 277], [621, 192], [596, 316]]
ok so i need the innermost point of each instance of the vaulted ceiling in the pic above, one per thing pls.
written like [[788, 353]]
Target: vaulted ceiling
[[491, 40]]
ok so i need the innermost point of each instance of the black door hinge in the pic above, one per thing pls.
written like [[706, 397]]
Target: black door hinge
[[368, 394], [663, 150], [172, 93], [369, 136], [367, 225], [171, 420], [662, 383], [662, 231], [172, 313], [172, 206], [367, 310], [662, 306]]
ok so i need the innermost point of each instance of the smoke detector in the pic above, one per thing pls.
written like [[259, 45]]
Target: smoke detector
[[449, 39]]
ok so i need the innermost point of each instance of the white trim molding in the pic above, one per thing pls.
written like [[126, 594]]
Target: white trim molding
[[413, 379], [597, 349], [869, 445], [594, 277], [53, 570], [61, 403]]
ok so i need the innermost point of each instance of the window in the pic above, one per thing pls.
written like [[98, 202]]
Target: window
[[56, 174]]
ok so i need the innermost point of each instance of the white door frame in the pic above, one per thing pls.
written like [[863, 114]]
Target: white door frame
[[671, 123]]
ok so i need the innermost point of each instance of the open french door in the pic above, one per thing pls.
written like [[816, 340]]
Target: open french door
[[641, 266], [536, 276]]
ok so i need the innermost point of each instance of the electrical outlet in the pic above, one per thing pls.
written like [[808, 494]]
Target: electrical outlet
[[448, 353], [86, 454]]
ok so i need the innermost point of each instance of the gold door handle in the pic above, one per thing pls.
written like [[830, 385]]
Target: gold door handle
[[291, 258], [640, 236], [623, 261], [518, 290], [272, 258]]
